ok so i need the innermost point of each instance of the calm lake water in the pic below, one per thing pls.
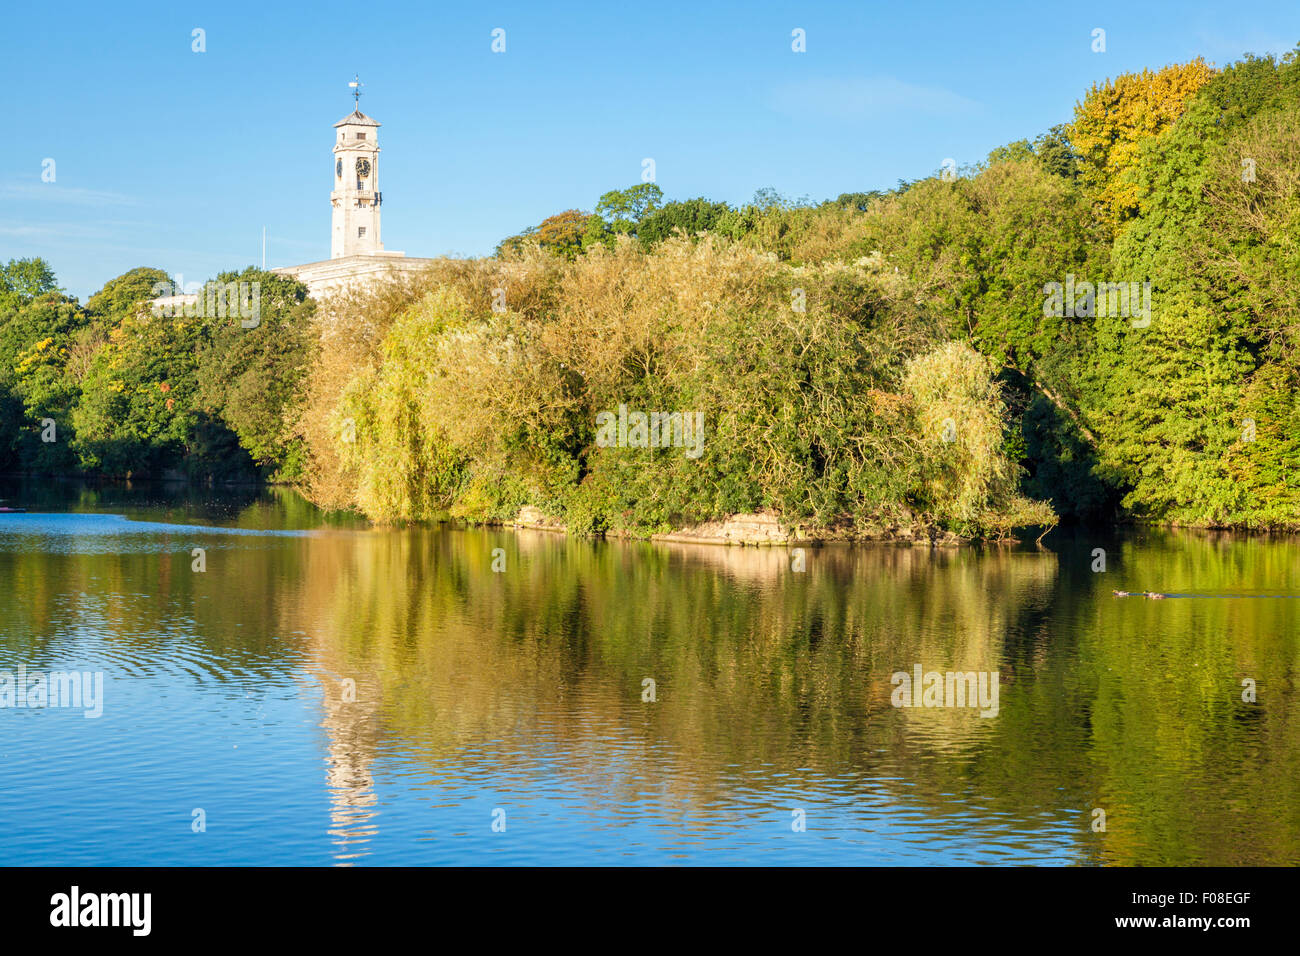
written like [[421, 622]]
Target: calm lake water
[[516, 697]]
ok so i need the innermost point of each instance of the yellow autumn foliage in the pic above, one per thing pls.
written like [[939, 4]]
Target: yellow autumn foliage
[[1112, 121]]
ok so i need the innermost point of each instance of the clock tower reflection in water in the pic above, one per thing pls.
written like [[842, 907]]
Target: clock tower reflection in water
[[356, 197]]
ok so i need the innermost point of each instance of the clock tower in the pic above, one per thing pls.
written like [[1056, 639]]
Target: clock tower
[[358, 258], [356, 197]]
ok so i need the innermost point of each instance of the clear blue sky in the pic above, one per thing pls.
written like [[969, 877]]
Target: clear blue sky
[[175, 159]]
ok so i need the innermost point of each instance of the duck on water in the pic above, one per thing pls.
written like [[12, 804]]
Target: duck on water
[[1154, 595]]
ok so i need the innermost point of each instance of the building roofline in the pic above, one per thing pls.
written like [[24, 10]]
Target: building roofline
[[357, 118]]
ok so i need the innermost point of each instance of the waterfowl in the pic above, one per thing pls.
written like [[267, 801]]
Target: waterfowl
[[1122, 593], [1154, 596]]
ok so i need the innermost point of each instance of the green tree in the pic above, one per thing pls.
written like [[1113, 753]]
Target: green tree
[[627, 207], [34, 344], [858, 201], [1055, 152], [251, 378], [691, 216], [125, 294], [22, 280]]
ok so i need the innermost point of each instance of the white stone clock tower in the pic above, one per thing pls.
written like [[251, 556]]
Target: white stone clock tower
[[358, 258], [356, 197]]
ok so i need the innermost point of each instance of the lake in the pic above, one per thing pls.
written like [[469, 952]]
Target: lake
[[279, 687]]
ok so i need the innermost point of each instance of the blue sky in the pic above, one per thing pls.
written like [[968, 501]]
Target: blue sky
[[175, 159]]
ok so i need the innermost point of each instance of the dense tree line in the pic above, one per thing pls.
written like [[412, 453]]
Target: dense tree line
[[1100, 322], [1184, 181], [110, 388]]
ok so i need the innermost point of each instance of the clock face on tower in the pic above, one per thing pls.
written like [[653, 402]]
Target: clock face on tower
[[338, 169], [363, 167]]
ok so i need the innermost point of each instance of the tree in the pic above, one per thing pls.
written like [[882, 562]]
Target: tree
[[34, 386], [620, 212], [768, 199], [691, 216], [208, 393], [629, 205], [1113, 120], [1055, 152], [1165, 416], [858, 201], [563, 234], [1194, 413], [250, 379], [22, 280], [137, 406], [123, 295], [1019, 150]]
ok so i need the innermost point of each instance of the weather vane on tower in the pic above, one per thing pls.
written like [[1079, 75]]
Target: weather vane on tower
[[355, 86]]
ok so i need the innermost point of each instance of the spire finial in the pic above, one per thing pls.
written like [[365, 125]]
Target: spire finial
[[356, 85]]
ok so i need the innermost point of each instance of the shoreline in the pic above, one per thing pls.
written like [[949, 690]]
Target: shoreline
[[760, 529]]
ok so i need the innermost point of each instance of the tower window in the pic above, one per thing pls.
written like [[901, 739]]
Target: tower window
[[361, 135], [361, 232]]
